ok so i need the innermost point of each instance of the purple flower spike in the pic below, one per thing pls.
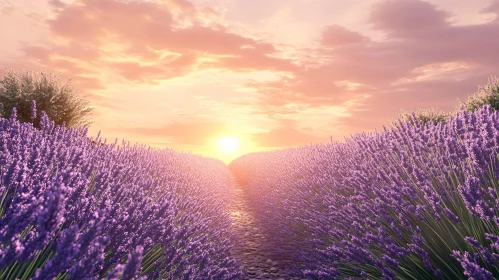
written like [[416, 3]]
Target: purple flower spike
[[13, 114], [33, 109], [132, 267], [471, 267], [91, 206]]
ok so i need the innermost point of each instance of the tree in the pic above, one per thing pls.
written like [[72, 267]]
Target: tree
[[62, 104]]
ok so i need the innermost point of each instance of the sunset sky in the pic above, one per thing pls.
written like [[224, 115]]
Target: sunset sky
[[267, 74]]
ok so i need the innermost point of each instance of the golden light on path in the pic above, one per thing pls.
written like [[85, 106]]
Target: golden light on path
[[228, 144]]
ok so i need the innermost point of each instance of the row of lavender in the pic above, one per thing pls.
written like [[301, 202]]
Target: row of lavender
[[74, 210], [410, 202]]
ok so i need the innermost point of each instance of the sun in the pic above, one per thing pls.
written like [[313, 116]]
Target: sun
[[228, 144]]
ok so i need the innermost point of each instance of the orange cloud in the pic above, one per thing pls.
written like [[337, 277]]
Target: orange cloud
[[423, 60], [286, 135], [186, 133], [385, 72]]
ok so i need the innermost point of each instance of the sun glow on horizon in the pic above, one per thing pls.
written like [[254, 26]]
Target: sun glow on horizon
[[228, 144]]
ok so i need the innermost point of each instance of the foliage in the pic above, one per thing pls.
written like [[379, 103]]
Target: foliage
[[485, 95], [488, 94], [61, 103], [425, 116]]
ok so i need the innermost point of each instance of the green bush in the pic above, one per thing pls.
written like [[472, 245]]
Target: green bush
[[488, 94], [61, 104], [426, 115], [485, 95]]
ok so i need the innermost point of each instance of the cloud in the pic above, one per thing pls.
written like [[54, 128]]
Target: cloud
[[284, 137], [186, 133], [383, 107], [416, 65], [335, 35], [139, 42], [147, 24], [493, 8], [175, 67], [122, 36], [252, 60], [7, 8], [87, 83], [403, 18], [422, 61]]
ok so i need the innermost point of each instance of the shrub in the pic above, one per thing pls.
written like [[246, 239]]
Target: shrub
[[485, 95], [424, 116], [61, 104]]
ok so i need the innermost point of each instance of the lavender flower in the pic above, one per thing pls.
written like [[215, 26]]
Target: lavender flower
[[382, 194], [471, 267], [71, 208], [33, 109]]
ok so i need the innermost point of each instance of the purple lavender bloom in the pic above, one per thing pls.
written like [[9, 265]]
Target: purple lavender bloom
[[33, 109], [13, 114], [471, 267], [132, 267], [66, 250], [453, 217], [92, 205], [399, 180], [116, 272]]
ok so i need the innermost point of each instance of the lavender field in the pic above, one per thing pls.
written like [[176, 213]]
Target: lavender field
[[74, 210], [410, 202]]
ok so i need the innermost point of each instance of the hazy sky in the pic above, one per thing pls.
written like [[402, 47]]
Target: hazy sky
[[272, 73]]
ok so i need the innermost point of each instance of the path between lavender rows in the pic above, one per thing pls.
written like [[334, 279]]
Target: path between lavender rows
[[248, 248]]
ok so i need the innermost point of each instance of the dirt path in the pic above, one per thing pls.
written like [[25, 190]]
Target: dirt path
[[256, 263]]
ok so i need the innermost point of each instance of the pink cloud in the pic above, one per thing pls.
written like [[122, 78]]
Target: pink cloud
[[145, 23], [407, 18], [405, 70], [286, 135], [7, 10], [377, 65], [87, 83], [143, 27], [335, 35], [382, 107], [493, 7]]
